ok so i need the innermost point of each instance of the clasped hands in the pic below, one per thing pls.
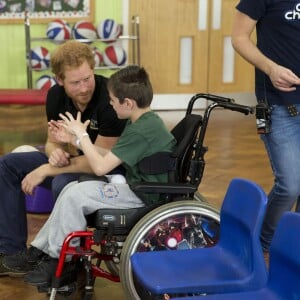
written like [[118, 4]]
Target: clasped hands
[[68, 129]]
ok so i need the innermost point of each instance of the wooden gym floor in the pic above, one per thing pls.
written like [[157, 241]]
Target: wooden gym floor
[[234, 150]]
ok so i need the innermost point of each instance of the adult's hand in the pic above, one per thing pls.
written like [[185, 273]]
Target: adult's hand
[[59, 133], [59, 158], [33, 179], [284, 79]]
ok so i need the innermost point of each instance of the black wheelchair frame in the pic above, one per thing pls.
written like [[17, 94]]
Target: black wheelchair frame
[[181, 219]]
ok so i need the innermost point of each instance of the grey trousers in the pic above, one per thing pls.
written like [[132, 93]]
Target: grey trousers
[[75, 202]]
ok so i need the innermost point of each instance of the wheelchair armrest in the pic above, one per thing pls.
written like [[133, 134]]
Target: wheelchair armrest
[[163, 188]]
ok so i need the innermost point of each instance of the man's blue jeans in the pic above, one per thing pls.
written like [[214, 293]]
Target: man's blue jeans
[[283, 148], [13, 221]]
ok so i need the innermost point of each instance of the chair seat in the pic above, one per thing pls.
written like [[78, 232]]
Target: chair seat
[[284, 276], [121, 220], [178, 272], [40, 202], [263, 294]]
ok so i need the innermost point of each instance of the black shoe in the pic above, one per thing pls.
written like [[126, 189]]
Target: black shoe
[[4, 271], [23, 262], [43, 274]]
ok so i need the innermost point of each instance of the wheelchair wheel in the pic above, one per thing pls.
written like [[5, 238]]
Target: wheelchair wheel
[[113, 266], [199, 197], [178, 225]]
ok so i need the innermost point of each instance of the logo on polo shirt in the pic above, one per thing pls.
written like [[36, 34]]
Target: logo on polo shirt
[[293, 14], [94, 124]]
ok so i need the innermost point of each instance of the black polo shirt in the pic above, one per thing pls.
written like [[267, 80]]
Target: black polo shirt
[[104, 120]]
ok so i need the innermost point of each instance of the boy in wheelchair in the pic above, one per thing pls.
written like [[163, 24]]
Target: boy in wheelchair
[[145, 134]]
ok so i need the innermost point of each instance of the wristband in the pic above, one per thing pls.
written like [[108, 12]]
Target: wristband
[[78, 140]]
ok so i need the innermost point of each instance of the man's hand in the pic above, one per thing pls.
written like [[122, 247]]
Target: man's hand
[[59, 158], [284, 79], [33, 179]]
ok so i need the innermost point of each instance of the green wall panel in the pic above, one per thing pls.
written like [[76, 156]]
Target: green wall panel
[[12, 49]]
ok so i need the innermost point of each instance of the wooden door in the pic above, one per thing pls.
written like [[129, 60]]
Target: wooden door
[[207, 25], [228, 72], [162, 26]]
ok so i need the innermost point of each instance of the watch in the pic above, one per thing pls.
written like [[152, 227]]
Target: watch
[[78, 140]]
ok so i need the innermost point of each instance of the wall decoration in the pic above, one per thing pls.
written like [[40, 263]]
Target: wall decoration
[[41, 11]]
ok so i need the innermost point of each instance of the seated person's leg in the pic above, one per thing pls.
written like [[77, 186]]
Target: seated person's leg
[[13, 223], [60, 181], [75, 202], [30, 258]]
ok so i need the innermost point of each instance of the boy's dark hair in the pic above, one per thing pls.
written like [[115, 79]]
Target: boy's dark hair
[[132, 82]]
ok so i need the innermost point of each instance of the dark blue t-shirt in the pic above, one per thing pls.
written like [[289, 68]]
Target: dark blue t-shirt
[[278, 37]]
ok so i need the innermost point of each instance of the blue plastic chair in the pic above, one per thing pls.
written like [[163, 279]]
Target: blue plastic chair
[[235, 263], [284, 274]]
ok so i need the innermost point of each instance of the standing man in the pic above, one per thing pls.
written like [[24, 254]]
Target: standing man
[[78, 90], [276, 59]]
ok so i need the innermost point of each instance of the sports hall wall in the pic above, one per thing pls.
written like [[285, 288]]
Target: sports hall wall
[[25, 124], [205, 24], [12, 49]]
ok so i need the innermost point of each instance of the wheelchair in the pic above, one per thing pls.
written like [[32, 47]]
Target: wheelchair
[[181, 219]]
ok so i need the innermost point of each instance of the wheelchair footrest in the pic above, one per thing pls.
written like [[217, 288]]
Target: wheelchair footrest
[[66, 289]]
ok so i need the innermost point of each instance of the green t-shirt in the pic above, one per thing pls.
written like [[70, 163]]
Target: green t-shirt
[[146, 136]]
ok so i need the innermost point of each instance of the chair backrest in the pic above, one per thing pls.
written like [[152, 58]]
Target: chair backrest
[[178, 162], [284, 272], [241, 218]]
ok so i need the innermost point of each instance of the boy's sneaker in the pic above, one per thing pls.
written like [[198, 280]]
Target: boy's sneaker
[[43, 274], [22, 262]]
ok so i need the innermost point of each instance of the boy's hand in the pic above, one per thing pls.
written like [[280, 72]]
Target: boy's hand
[[74, 126]]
